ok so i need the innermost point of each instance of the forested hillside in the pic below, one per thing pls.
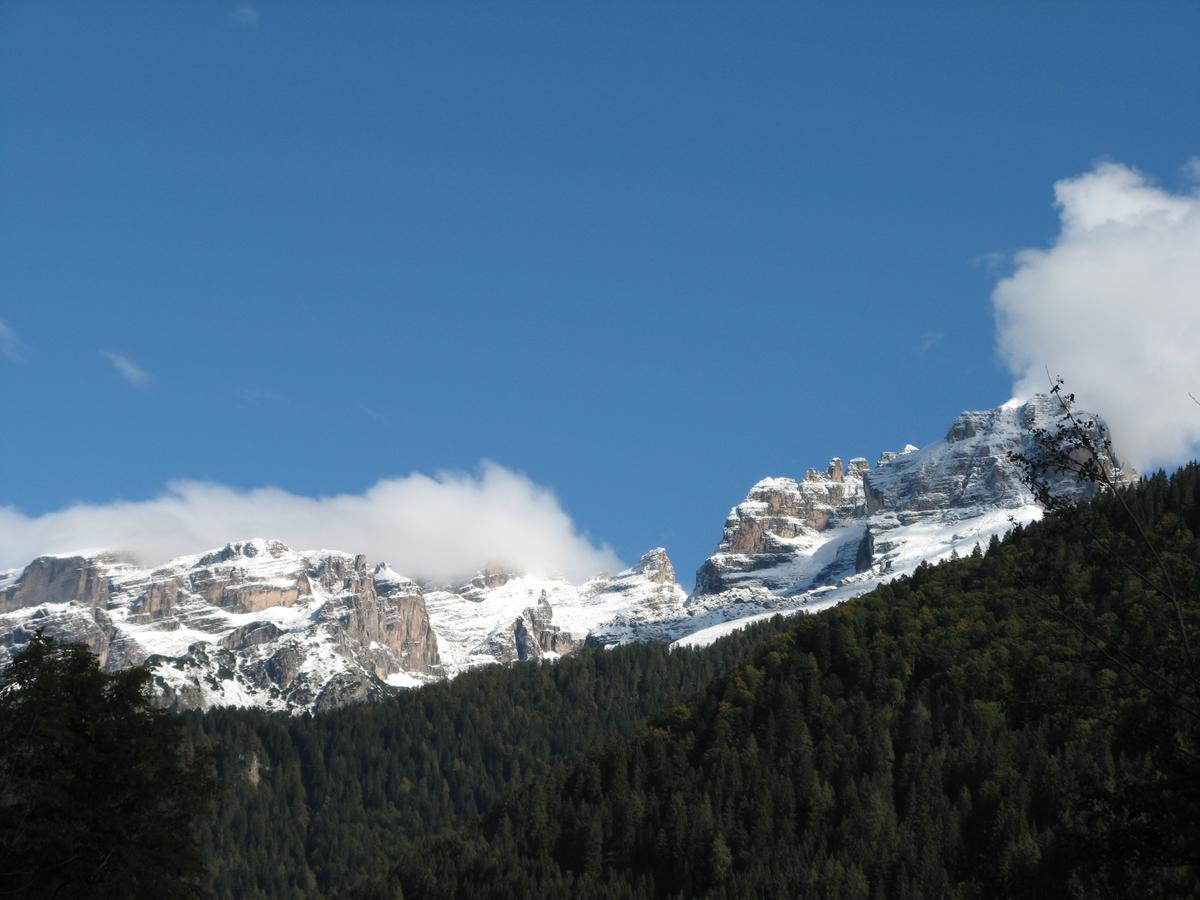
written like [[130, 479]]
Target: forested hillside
[[1022, 722], [309, 804]]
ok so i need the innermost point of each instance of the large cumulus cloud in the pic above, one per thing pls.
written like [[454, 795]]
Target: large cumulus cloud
[[1113, 305], [434, 528]]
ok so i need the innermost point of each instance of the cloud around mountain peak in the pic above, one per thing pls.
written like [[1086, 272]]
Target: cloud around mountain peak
[[1113, 306], [438, 528]]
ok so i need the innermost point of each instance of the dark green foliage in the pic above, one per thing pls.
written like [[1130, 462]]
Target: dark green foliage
[[1024, 722], [309, 804], [1017, 724], [96, 796]]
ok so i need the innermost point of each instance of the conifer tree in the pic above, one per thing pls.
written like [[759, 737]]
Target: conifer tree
[[97, 796]]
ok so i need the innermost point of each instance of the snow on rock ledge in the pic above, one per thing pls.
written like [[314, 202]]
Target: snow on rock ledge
[[253, 623], [808, 545]]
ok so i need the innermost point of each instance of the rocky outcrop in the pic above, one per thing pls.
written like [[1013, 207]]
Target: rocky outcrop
[[75, 624], [972, 466], [233, 579], [479, 587], [633, 604], [840, 531], [160, 599], [532, 635], [779, 509], [58, 579], [253, 635], [404, 624], [779, 519], [647, 589], [251, 623], [385, 615], [526, 616], [537, 635]]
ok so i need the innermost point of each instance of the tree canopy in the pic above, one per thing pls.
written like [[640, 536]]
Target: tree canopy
[[98, 791], [1018, 722]]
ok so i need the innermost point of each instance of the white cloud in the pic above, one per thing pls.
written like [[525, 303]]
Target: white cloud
[[1114, 307], [244, 17], [929, 340], [995, 262], [372, 414], [10, 346], [439, 529], [128, 369]]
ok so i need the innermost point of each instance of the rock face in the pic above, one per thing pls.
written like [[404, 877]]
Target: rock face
[[77, 578], [254, 623], [633, 604], [970, 468], [505, 617], [532, 635], [840, 532], [779, 520]]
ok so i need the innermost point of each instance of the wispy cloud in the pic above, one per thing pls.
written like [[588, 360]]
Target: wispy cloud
[[372, 414], [440, 529], [128, 369], [10, 344], [260, 396], [1111, 305], [995, 262], [244, 17], [929, 340]]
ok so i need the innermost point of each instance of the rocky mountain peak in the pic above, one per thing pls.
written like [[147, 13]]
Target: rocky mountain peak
[[252, 622], [388, 581], [490, 579], [972, 467], [656, 566], [82, 579], [783, 509], [248, 549], [842, 530]]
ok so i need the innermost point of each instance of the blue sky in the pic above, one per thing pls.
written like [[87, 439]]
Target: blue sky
[[644, 254]]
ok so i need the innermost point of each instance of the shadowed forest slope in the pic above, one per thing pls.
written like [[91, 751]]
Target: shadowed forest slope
[[1023, 721]]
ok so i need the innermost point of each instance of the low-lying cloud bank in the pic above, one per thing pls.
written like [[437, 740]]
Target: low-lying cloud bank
[[438, 529], [1114, 307]]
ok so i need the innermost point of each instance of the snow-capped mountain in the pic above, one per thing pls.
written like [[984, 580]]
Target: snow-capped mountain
[[254, 623], [838, 533], [502, 617], [257, 623]]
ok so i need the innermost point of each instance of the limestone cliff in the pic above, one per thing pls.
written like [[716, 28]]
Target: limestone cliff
[[254, 622]]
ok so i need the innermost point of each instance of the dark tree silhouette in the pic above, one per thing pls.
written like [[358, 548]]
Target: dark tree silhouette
[[1143, 630], [98, 793]]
